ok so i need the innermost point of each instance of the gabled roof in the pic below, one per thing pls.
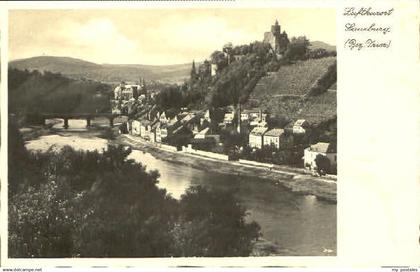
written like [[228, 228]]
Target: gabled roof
[[323, 148], [229, 113], [259, 131], [275, 132], [250, 111], [204, 131], [300, 122]]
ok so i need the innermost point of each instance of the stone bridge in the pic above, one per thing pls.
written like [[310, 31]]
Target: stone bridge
[[87, 116]]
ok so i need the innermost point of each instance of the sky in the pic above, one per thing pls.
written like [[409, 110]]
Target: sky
[[155, 36]]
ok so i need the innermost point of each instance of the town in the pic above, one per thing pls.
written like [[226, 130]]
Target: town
[[231, 132]]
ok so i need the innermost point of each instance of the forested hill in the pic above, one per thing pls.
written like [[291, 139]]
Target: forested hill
[[321, 45], [108, 73], [35, 92]]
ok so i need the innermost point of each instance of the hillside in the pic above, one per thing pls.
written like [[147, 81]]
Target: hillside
[[294, 79], [33, 92], [286, 92], [108, 73], [321, 45]]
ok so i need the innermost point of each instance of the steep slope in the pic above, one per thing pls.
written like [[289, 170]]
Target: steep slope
[[110, 73], [289, 91], [292, 80]]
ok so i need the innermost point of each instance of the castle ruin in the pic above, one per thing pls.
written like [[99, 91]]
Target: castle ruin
[[278, 40]]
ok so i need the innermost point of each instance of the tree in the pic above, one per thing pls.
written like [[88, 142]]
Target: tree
[[193, 75], [41, 221], [124, 213], [212, 223], [298, 48], [218, 58], [170, 97], [322, 164]]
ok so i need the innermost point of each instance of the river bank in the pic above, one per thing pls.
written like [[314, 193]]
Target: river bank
[[295, 180]]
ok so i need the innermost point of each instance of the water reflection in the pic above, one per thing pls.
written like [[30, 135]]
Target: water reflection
[[302, 225]]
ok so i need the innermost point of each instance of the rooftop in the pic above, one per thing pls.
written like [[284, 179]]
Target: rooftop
[[323, 148], [259, 131], [300, 122], [275, 132]]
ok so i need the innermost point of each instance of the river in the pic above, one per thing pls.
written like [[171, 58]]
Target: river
[[301, 225]]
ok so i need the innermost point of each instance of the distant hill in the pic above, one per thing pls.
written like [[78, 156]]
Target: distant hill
[[108, 73], [319, 44]]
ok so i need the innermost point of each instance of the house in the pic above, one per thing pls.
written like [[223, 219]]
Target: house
[[254, 117], [143, 128], [327, 150], [164, 130], [214, 69], [191, 121], [238, 57], [152, 131], [127, 91], [161, 132], [278, 137], [151, 128], [135, 127], [202, 134], [207, 116], [228, 119], [256, 137], [162, 118], [300, 126]]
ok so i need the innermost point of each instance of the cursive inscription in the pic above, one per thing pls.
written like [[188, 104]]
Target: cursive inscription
[[354, 44], [371, 28], [377, 34], [352, 11]]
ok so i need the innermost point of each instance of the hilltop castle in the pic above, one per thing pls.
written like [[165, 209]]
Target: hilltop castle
[[278, 40]]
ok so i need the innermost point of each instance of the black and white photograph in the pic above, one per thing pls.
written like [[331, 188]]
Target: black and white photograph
[[172, 133]]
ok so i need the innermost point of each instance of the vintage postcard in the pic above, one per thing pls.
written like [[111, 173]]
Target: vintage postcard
[[210, 133]]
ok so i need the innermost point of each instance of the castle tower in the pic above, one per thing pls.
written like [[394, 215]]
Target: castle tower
[[276, 29], [227, 50], [278, 40]]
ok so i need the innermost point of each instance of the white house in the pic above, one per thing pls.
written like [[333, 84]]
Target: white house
[[144, 132], [256, 137], [135, 127], [163, 119], [126, 91], [324, 149], [214, 68], [300, 126], [202, 134], [278, 137], [207, 116], [228, 119]]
